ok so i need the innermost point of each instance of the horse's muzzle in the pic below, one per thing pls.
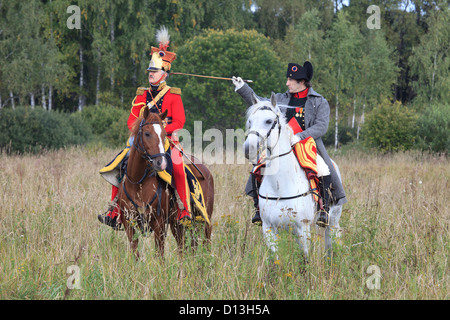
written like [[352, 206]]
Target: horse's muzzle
[[250, 150], [159, 163]]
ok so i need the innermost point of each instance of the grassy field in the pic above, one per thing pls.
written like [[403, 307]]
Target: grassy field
[[396, 223]]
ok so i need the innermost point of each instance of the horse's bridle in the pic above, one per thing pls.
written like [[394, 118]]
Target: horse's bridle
[[264, 138], [139, 145], [140, 142], [275, 122]]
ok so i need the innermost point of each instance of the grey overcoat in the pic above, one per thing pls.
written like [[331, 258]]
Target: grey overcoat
[[317, 116]]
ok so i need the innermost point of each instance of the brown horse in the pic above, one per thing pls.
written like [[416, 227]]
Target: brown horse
[[145, 200]]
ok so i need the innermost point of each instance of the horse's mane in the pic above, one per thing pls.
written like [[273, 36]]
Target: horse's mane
[[151, 118]]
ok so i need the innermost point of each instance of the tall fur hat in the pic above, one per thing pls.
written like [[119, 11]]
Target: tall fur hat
[[161, 58], [297, 72]]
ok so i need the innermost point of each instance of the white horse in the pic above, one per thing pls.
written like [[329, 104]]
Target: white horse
[[285, 197]]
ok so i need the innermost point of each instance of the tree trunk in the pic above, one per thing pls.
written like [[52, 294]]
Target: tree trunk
[[32, 102], [337, 110], [81, 98], [50, 97], [50, 89], [354, 111], [97, 87], [44, 101], [12, 99], [361, 122], [111, 29], [433, 75], [336, 124]]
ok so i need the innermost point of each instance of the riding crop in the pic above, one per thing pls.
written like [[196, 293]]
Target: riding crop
[[208, 77]]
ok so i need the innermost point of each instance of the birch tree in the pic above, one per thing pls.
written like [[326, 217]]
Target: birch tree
[[430, 61], [341, 64]]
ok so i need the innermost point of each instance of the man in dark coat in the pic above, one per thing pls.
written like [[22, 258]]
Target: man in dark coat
[[308, 114]]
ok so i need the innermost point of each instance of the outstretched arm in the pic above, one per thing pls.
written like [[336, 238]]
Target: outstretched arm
[[244, 90]]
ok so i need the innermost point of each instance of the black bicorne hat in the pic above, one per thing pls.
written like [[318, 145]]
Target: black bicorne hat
[[297, 72]]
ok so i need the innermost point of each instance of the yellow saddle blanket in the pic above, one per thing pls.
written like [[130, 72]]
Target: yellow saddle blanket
[[114, 171]]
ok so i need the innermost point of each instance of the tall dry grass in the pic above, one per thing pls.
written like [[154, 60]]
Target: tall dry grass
[[396, 219]]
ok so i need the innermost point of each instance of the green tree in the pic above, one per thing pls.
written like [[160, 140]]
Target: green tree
[[224, 53], [341, 64], [403, 31], [307, 43], [305, 39], [274, 18], [390, 127], [29, 57], [433, 128], [430, 61], [375, 77]]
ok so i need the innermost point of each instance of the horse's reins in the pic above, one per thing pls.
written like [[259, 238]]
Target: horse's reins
[[139, 146], [140, 142], [264, 138], [310, 191]]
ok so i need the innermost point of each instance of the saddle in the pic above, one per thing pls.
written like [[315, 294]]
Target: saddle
[[115, 170]]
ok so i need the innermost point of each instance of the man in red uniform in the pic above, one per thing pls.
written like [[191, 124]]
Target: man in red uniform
[[159, 97]]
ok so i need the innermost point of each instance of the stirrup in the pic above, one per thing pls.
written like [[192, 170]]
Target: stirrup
[[324, 219], [257, 217], [112, 222], [184, 218]]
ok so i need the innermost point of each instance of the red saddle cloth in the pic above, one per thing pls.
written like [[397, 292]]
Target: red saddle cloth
[[306, 152]]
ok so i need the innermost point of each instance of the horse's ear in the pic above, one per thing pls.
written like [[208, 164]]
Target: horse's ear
[[255, 99], [163, 115], [146, 112], [273, 99]]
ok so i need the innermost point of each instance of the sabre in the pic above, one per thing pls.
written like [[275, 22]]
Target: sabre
[[182, 152], [208, 77]]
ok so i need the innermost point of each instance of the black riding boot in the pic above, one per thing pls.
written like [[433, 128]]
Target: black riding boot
[[256, 217], [254, 194], [325, 191], [105, 219]]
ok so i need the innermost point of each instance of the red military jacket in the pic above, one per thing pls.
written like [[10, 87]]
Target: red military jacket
[[171, 101]]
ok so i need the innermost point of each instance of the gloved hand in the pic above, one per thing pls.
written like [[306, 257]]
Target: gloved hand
[[238, 82], [294, 140]]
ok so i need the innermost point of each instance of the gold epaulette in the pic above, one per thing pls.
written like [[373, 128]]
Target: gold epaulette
[[175, 90], [141, 90]]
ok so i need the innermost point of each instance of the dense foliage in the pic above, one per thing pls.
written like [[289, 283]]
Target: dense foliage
[[390, 127], [433, 128], [30, 130], [214, 102], [109, 125], [46, 62]]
